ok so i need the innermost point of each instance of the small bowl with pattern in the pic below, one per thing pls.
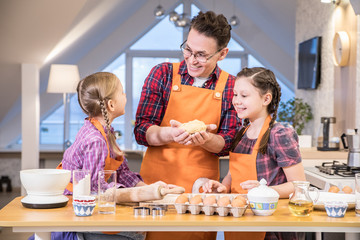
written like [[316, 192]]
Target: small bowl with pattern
[[336, 209], [83, 208]]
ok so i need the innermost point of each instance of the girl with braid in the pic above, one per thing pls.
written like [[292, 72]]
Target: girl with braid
[[102, 98], [262, 148]]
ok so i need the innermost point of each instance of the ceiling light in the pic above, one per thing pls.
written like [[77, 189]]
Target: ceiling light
[[159, 11], [234, 21], [173, 16], [183, 20]]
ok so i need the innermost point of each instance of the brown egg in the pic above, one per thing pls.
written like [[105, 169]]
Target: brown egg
[[347, 189], [209, 200], [334, 189], [241, 198], [223, 201], [237, 202], [196, 199], [183, 198]]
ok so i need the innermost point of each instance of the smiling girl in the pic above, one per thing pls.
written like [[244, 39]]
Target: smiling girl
[[262, 148]]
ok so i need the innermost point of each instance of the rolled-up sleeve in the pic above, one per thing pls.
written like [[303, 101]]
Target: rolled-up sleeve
[[152, 105]]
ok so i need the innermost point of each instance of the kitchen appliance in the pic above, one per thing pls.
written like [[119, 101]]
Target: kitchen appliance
[[353, 144], [331, 172], [325, 142], [45, 187]]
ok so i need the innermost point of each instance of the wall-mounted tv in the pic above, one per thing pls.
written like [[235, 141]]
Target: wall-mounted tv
[[309, 70]]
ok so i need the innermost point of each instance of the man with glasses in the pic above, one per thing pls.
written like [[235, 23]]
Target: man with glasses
[[195, 88]]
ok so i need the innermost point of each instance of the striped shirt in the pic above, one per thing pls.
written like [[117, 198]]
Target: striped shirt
[[89, 151], [155, 97]]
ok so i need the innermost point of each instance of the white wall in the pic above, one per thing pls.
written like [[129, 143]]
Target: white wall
[[336, 93]]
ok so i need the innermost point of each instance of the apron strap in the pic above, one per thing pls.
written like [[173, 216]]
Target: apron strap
[[176, 79], [220, 85], [110, 164], [262, 132]]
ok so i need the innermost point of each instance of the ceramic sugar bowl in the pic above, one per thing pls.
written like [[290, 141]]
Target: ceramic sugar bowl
[[263, 199]]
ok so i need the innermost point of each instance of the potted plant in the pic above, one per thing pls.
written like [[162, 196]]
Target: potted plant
[[297, 113]]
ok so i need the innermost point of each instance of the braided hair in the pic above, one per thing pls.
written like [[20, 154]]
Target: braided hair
[[264, 80], [94, 92]]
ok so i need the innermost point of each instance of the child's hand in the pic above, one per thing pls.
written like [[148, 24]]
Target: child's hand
[[249, 184], [214, 187]]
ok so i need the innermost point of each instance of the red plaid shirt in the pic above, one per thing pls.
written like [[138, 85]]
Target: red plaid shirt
[[282, 151], [155, 97]]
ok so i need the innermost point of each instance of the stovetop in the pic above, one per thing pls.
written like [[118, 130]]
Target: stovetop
[[337, 168], [326, 173]]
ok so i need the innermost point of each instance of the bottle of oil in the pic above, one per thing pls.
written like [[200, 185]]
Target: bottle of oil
[[301, 204]]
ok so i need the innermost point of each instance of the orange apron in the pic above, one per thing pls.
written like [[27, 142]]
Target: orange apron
[[179, 164], [110, 163], [243, 167]]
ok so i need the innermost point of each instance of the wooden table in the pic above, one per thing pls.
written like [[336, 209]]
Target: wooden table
[[43, 221]]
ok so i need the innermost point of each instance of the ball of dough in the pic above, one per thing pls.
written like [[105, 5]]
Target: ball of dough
[[194, 126]]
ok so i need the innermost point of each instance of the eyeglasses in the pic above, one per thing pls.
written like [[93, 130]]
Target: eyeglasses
[[200, 57]]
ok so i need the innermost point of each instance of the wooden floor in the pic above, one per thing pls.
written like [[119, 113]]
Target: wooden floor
[[7, 233]]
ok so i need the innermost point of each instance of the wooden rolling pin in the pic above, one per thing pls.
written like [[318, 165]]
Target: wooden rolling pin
[[145, 193]]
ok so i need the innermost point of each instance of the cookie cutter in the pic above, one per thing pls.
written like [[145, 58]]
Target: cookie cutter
[[162, 206], [141, 211], [158, 211]]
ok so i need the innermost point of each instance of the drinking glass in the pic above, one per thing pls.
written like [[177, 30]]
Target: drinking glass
[[81, 182], [107, 191]]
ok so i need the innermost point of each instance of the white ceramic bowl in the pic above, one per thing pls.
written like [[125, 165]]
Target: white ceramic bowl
[[263, 199], [44, 186], [263, 208]]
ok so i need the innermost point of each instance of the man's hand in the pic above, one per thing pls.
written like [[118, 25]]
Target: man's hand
[[202, 137], [179, 135]]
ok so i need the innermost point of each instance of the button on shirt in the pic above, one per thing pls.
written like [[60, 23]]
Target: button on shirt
[[89, 151], [155, 97]]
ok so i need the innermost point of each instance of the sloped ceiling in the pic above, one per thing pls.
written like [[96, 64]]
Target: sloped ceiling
[[94, 33]]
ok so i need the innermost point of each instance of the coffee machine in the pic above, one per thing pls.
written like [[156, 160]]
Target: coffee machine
[[324, 141], [353, 144]]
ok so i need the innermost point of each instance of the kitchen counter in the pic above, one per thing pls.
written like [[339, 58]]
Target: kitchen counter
[[43, 221], [313, 153]]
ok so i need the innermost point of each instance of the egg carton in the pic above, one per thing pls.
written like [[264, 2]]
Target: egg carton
[[340, 186], [223, 211]]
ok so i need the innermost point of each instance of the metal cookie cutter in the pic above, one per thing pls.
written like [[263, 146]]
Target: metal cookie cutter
[[162, 206], [158, 211], [141, 211]]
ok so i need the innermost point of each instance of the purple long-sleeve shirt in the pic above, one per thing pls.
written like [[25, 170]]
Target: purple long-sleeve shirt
[[89, 151]]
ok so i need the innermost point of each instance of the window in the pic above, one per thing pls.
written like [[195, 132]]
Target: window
[[132, 67]]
